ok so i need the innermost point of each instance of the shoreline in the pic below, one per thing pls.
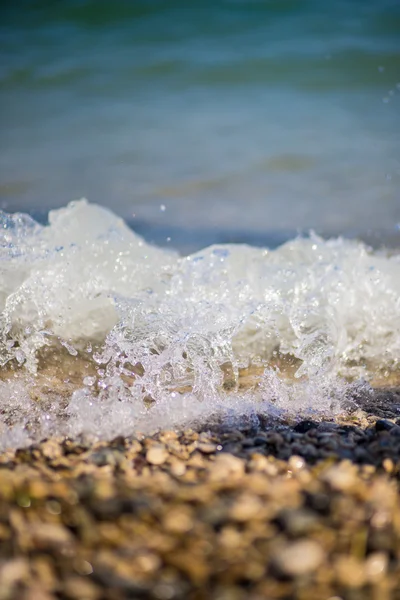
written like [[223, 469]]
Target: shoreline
[[306, 511]]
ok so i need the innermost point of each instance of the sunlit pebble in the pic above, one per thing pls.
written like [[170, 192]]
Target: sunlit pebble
[[83, 567], [24, 501], [53, 507], [163, 591], [162, 207], [296, 463]]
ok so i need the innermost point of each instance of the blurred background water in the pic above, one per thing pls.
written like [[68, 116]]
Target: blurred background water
[[209, 120]]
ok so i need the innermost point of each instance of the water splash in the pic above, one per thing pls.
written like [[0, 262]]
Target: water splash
[[165, 337]]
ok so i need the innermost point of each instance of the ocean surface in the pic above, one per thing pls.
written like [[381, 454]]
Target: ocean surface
[[205, 121], [238, 252]]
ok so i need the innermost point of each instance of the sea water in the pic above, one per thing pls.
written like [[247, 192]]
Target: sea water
[[273, 125], [248, 120]]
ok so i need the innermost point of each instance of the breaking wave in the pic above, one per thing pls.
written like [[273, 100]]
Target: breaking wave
[[102, 333]]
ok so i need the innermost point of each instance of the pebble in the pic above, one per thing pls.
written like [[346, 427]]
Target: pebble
[[299, 558], [156, 455], [296, 463], [305, 426], [206, 448], [171, 515], [376, 566], [226, 466], [384, 425], [340, 477], [350, 572], [297, 521]]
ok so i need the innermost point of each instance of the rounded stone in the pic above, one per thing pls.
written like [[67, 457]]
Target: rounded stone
[[299, 558], [340, 477], [156, 455], [376, 566]]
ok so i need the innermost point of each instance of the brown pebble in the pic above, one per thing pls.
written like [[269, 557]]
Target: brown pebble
[[350, 572], [226, 466], [340, 477], [376, 566], [156, 455], [206, 448]]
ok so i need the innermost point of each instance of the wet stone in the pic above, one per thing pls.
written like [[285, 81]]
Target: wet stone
[[299, 558], [305, 426], [297, 522], [156, 455], [206, 448], [384, 425]]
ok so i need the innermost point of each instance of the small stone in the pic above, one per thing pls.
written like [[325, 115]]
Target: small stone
[[298, 559], [384, 425], [80, 588], [156, 455], [340, 477], [226, 466], [103, 457], [178, 520], [297, 521], [349, 572], [50, 536], [205, 448], [178, 468], [388, 465], [51, 450], [246, 507], [296, 463], [376, 566], [14, 571], [304, 426]]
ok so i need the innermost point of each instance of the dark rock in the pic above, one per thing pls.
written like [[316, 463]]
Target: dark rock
[[304, 426], [384, 425]]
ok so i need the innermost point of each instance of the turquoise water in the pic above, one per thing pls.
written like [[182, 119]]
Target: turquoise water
[[205, 121]]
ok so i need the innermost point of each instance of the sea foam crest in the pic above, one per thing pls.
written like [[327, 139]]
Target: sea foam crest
[[173, 330]]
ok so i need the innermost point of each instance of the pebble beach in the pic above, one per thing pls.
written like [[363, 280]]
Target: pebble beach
[[299, 509]]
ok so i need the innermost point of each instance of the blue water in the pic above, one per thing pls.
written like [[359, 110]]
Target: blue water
[[224, 120]]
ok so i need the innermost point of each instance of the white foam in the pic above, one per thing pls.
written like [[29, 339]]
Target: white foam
[[169, 323]]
